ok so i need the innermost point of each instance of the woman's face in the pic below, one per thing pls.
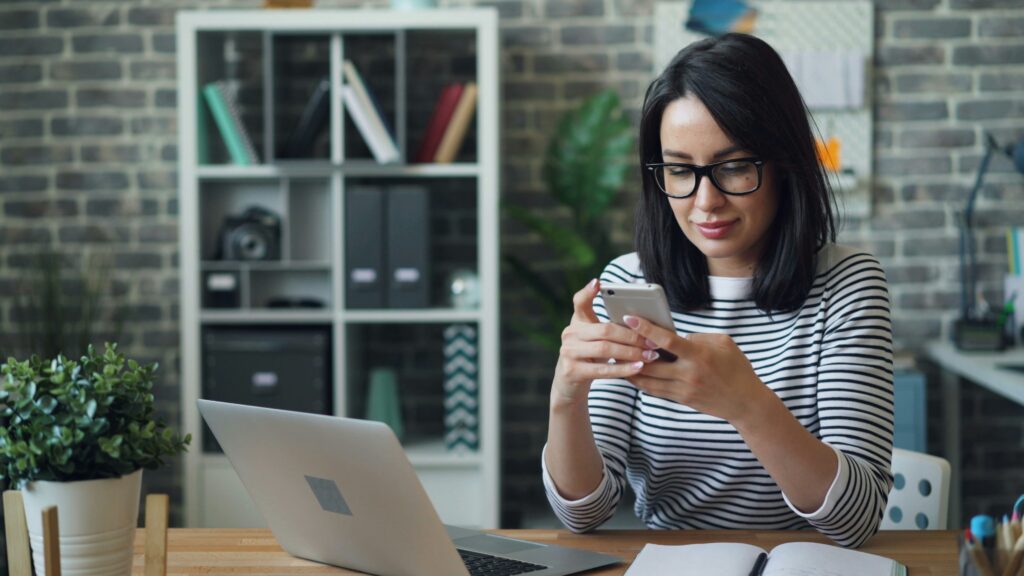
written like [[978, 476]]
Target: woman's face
[[729, 230]]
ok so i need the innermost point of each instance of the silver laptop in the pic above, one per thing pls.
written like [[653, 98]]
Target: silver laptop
[[341, 491]]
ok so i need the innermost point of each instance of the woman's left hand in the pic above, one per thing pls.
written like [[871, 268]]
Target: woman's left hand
[[711, 374]]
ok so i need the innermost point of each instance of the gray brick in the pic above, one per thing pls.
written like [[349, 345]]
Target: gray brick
[[40, 208], [989, 55], [20, 73], [915, 219], [1004, 27], [918, 245], [86, 126], [122, 207], [524, 36], [999, 164], [937, 138], [990, 110], [909, 111], [25, 183], [107, 43], [633, 61], [507, 9], [94, 233], [598, 34], [563, 63], [166, 98], [146, 70], [31, 46], [627, 89], [103, 70], [933, 192], [155, 125], [161, 339], [33, 100], [114, 98], [998, 217], [169, 152], [172, 206], [910, 55], [980, 4], [573, 8], [904, 5], [916, 165], [20, 128], [112, 153], [35, 155], [163, 16], [78, 17], [13, 234], [158, 234], [164, 43], [1003, 81], [932, 28], [158, 180], [937, 83], [19, 19], [911, 273], [928, 300], [883, 138], [91, 181], [138, 261], [524, 90]]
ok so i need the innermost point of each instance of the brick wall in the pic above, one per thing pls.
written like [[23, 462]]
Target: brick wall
[[88, 153]]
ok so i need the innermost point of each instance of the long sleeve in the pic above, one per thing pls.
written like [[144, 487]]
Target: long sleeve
[[855, 400]]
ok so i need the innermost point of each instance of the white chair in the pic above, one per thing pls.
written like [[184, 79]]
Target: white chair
[[919, 499]]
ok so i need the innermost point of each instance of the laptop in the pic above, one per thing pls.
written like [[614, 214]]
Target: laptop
[[341, 491]]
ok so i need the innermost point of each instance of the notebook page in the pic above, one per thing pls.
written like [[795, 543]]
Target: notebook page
[[724, 559], [810, 559]]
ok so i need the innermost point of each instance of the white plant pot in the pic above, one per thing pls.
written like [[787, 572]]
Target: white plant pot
[[97, 520]]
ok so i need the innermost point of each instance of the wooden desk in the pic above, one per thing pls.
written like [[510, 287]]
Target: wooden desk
[[223, 551]]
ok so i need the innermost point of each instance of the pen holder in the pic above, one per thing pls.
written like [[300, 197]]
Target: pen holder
[[965, 566]]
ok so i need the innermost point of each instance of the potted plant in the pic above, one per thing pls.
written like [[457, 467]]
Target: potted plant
[[77, 434], [585, 167]]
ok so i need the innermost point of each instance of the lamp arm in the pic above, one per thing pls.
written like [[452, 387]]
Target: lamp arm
[[967, 239]]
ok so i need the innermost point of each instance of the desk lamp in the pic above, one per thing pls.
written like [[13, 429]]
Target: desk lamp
[[969, 332]]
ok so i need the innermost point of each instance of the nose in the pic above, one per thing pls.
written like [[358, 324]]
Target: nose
[[707, 197]]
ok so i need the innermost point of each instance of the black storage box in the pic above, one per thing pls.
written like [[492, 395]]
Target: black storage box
[[281, 367]]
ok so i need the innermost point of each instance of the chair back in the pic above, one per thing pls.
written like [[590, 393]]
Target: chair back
[[919, 499]]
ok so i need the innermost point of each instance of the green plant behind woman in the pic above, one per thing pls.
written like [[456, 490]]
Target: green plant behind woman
[[584, 168]]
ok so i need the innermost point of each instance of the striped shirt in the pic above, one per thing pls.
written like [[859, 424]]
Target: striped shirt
[[831, 364]]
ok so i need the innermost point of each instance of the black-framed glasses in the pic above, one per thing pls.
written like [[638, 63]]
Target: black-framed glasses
[[736, 177]]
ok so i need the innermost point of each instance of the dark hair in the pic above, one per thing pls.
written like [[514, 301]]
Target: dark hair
[[747, 89]]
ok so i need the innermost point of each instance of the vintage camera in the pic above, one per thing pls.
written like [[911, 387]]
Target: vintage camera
[[253, 235]]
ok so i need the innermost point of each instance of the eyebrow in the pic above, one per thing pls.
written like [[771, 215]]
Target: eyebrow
[[720, 154]]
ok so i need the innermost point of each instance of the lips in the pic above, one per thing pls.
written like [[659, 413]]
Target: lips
[[715, 229]]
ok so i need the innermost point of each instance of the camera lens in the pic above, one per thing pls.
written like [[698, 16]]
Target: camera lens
[[611, 292]]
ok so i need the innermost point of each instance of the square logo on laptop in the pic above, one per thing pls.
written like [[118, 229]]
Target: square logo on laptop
[[328, 495]]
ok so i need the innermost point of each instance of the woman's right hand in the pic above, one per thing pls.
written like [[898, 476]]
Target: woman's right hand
[[587, 346]]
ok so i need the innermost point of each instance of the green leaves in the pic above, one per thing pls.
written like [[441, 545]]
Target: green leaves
[[65, 420]]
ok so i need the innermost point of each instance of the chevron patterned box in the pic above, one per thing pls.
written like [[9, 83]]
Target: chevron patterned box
[[461, 392]]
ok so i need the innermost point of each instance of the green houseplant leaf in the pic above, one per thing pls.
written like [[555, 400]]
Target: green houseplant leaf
[[584, 169], [80, 420]]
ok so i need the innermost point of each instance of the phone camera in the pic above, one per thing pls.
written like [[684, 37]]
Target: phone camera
[[611, 292]]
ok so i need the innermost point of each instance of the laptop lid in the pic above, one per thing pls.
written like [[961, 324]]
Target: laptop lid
[[335, 490]]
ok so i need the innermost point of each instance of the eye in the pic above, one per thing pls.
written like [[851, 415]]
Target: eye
[[678, 171]]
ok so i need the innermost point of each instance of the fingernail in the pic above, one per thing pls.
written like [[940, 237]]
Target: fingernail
[[592, 283], [631, 321], [650, 343], [637, 365], [650, 355]]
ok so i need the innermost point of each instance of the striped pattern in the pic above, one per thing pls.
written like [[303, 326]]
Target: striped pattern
[[831, 364], [461, 426]]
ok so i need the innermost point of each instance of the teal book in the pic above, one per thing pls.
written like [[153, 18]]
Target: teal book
[[228, 124]]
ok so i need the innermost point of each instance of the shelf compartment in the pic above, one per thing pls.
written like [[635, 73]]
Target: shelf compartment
[[373, 56], [433, 316], [235, 58], [225, 201], [268, 316], [309, 220], [290, 290], [302, 96]]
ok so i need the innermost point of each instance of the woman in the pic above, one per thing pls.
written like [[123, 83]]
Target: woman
[[778, 412]]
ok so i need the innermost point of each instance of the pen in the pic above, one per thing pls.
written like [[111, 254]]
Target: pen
[[758, 568], [1004, 543], [1016, 558]]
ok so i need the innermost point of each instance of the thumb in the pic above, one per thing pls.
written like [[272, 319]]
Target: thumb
[[583, 302]]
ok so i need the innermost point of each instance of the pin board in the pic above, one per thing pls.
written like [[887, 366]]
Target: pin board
[[810, 32]]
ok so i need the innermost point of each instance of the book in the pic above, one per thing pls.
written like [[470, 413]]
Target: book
[[224, 107], [732, 559], [374, 119], [439, 118], [311, 122], [455, 133], [360, 115]]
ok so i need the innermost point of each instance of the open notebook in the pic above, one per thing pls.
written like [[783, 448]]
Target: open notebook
[[790, 559]]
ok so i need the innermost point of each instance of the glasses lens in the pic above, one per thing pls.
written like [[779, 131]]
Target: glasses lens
[[737, 177], [675, 181]]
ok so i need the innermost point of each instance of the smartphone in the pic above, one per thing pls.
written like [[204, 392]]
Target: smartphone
[[644, 300]]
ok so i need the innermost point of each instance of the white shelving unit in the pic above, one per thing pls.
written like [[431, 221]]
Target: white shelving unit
[[463, 486]]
